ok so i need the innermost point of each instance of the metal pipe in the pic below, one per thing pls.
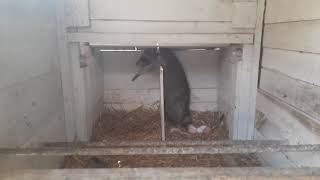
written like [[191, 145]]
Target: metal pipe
[[163, 136], [141, 50]]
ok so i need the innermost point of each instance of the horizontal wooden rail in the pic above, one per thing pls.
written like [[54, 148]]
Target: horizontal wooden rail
[[160, 150], [164, 143], [165, 173]]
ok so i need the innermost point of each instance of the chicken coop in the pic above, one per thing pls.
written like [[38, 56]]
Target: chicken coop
[[70, 110]]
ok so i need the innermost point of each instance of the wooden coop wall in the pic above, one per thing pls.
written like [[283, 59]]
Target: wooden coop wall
[[289, 99], [146, 23], [119, 67], [205, 23], [31, 101]]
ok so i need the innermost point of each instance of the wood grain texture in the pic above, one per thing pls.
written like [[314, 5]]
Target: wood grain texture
[[285, 122], [298, 65], [166, 10], [173, 40], [301, 95], [292, 10], [167, 27], [297, 36]]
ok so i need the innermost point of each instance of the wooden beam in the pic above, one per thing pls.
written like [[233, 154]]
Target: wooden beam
[[99, 151], [295, 10], [165, 40], [260, 173], [163, 27], [165, 10], [166, 143]]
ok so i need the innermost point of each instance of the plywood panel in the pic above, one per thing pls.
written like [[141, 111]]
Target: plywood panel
[[292, 10], [170, 27], [298, 65], [165, 10], [297, 36], [182, 40], [301, 95], [77, 13]]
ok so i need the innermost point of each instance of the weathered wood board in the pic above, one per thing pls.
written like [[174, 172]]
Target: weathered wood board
[[292, 10], [298, 65], [299, 94], [297, 36]]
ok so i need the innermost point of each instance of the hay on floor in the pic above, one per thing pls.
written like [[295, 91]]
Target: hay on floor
[[144, 124]]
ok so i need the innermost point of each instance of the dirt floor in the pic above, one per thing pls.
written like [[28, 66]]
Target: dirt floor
[[144, 124]]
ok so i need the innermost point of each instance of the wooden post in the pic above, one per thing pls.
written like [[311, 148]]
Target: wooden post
[[163, 136]]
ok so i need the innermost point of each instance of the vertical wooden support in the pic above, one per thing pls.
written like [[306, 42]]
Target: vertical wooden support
[[72, 81], [163, 136], [66, 74], [247, 82], [78, 92]]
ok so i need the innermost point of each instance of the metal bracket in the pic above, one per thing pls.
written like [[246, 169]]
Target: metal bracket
[[158, 48]]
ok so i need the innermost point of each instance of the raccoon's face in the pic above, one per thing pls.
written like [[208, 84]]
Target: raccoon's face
[[145, 63]]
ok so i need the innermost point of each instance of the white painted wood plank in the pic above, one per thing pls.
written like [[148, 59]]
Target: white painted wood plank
[[165, 10], [278, 85], [246, 84], [226, 88], [201, 68], [298, 65], [94, 88], [203, 107], [287, 124], [200, 107], [292, 10], [77, 13], [66, 73], [169, 27], [301, 95], [244, 14], [79, 93], [244, 92], [177, 40], [297, 36], [149, 96]]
